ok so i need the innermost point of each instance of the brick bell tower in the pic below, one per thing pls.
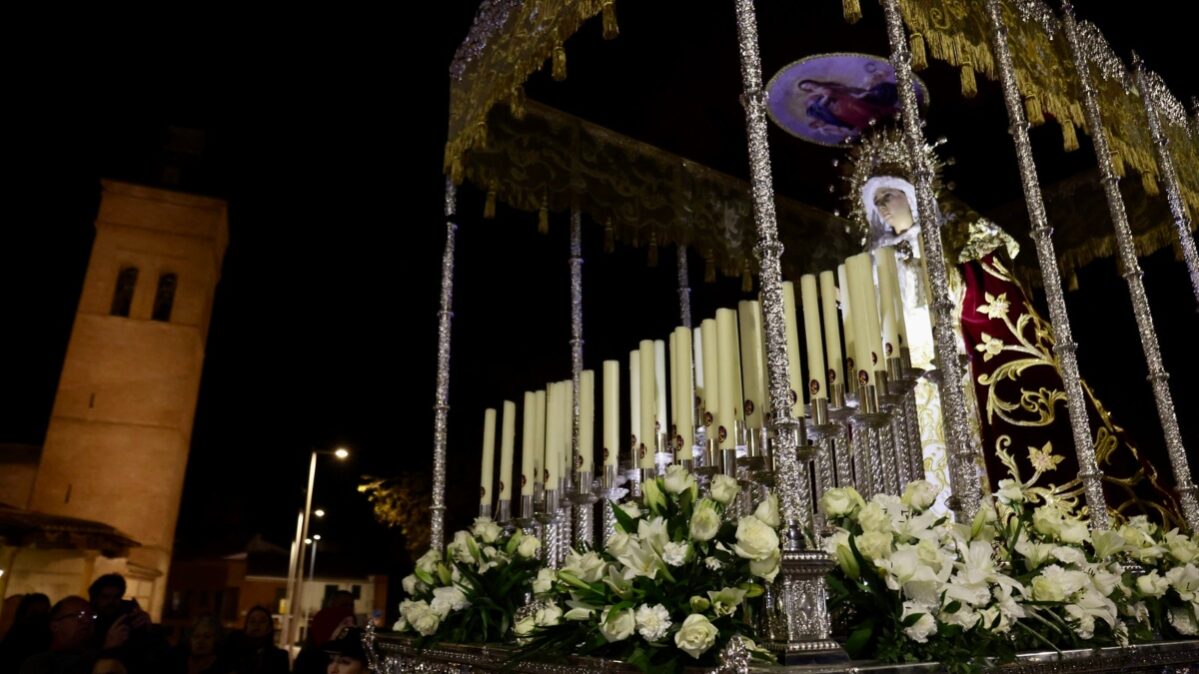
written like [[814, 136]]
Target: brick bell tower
[[119, 434]]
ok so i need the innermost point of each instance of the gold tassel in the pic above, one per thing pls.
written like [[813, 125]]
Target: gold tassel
[[559, 70], [919, 54], [709, 266], [543, 220], [969, 85], [456, 171], [1149, 182], [852, 10], [1032, 108], [611, 30], [1072, 282], [516, 104], [652, 254], [1069, 136], [609, 236], [489, 205], [747, 282]]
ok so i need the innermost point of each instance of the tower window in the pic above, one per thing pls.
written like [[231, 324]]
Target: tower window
[[122, 297], [164, 299]]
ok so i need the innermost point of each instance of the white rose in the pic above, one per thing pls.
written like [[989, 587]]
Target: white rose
[[620, 543], [874, 545], [766, 568], [874, 518], [653, 622], [1010, 492], [1152, 585], [446, 599], [841, 501], [487, 530], [726, 601], [1182, 618], [768, 511], [631, 508], [724, 488], [924, 627], [1073, 531], [1181, 547], [678, 479], [675, 554], [463, 548], [544, 582], [548, 615], [529, 547], [428, 562], [919, 495], [617, 626], [400, 625], [755, 539], [965, 617], [705, 521], [1069, 555], [1047, 520], [696, 635], [424, 620], [409, 584], [588, 567], [524, 626]]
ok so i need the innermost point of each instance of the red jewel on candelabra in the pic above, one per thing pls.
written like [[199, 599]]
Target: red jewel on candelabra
[[723, 434], [814, 387], [641, 451], [863, 377], [524, 480], [832, 376], [849, 364], [889, 349], [749, 407], [546, 477], [605, 454], [873, 358], [794, 396], [578, 461], [678, 442], [482, 492], [708, 418], [501, 486]]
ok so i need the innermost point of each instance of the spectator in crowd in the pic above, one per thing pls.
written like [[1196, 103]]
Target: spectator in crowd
[[253, 649], [346, 654], [29, 633], [201, 650], [72, 626]]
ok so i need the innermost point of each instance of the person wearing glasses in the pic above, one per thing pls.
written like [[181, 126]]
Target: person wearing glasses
[[72, 624]]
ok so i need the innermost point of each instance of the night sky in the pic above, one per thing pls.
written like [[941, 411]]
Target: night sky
[[325, 134]]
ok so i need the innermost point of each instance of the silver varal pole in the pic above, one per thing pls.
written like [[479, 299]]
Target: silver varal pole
[[441, 406], [800, 587], [1050, 275], [965, 457], [1132, 274]]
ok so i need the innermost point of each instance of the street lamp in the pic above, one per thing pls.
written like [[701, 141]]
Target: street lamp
[[341, 453], [319, 512]]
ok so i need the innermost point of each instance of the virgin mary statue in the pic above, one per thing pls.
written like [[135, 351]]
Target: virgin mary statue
[[1015, 386]]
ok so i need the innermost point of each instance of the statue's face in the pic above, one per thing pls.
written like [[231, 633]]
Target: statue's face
[[893, 208]]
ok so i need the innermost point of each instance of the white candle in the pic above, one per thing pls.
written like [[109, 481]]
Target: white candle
[[686, 418], [711, 361], [868, 334], [851, 370], [553, 428], [635, 403], [586, 420], [611, 412], [674, 385], [791, 326], [753, 362], [507, 446], [540, 408], [832, 332], [528, 441], [661, 423], [817, 384], [697, 360], [888, 295], [730, 376], [566, 455], [649, 406], [488, 456]]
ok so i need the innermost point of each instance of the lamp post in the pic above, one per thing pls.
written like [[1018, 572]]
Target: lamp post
[[341, 454]]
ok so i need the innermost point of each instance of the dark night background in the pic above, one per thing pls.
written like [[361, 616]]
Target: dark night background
[[325, 134]]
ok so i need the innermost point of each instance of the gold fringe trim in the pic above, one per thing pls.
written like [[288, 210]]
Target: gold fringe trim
[[559, 64], [1032, 108], [456, 171], [516, 104], [852, 10], [1069, 137], [611, 29], [919, 53], [651, 256], [969, 85], [609, 236], [489, 205], [543, 220], [747, 282], [709, 266], [1149, 183]]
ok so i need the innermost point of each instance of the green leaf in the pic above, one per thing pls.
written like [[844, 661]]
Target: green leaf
[[627, 524], [859, 639], [953, 606]]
